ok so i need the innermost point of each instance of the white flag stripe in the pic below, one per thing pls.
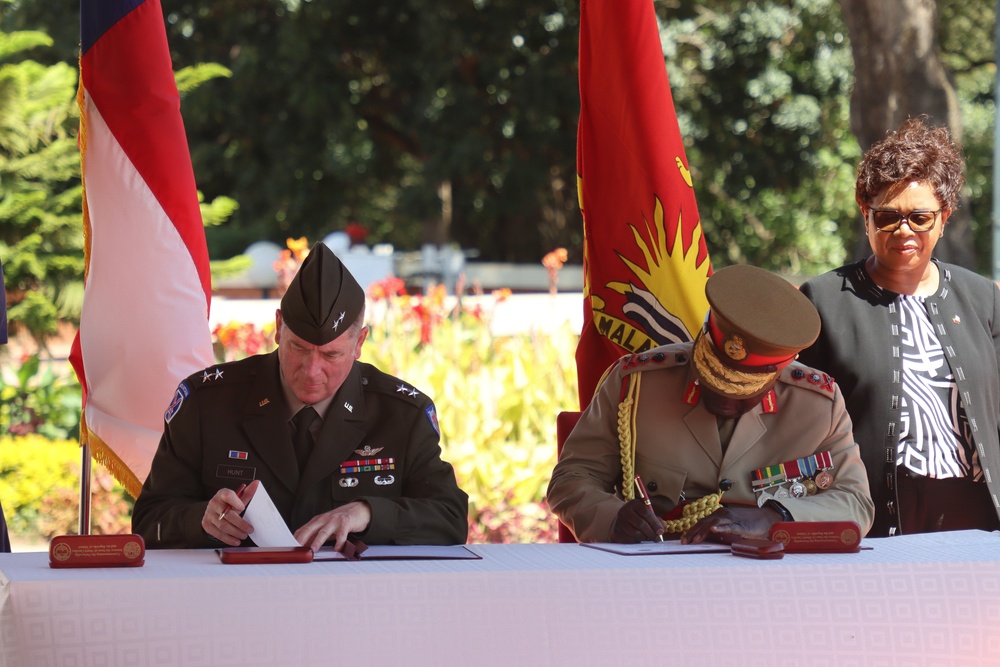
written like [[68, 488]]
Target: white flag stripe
[[141, 276]]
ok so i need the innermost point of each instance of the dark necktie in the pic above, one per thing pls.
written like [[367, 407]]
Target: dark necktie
[[301, 438], [726, 429]]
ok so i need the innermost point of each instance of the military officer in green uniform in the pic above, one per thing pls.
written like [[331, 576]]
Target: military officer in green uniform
[[729, 433], [343, 449]]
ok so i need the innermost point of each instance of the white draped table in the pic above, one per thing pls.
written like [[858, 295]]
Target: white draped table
[[909, 600]]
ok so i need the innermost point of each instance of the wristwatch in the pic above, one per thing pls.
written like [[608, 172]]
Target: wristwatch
[[780, 509]]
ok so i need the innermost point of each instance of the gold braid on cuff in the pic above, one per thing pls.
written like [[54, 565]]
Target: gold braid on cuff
[[693, 512]]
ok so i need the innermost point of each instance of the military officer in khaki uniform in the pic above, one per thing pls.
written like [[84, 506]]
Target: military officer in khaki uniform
[[342, 448], [731, 415]]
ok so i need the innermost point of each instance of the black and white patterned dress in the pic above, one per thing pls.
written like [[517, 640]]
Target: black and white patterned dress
[[935, 436]]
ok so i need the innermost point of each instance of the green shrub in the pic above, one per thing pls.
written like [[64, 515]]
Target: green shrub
[[40, 490], [34, 398]]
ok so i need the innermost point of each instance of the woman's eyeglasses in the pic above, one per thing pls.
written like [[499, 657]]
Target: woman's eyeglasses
[[889, 220]]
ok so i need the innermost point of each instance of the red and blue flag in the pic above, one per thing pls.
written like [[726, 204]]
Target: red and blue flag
[[144, 325]]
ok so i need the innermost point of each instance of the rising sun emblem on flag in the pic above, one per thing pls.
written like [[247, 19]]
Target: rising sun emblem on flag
[[658, 300]]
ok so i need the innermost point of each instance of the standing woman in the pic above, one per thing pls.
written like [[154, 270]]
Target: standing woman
[[915, 344]]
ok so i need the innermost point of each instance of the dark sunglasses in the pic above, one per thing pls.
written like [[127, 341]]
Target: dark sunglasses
[[889, 220]]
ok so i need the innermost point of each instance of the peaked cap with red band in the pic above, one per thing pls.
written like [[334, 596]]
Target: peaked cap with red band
[[758, 322]]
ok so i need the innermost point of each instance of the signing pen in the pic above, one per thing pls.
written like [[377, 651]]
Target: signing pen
[[222, 515], [645, 496]]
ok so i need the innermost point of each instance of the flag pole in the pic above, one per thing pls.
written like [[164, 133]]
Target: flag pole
[[85, 490]]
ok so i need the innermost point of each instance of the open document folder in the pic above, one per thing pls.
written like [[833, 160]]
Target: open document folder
[[276, 544], [655, 548]]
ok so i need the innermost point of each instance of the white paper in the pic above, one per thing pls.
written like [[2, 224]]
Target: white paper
[[655, 548], [404, 552], [269, 529]]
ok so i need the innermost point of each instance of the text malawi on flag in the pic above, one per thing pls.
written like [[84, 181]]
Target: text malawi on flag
[[144, 325], [645, 259]]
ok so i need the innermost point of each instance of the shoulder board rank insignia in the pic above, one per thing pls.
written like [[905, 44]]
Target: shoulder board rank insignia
[[209, 375], [809, 378], [633, 360], [656, 359]]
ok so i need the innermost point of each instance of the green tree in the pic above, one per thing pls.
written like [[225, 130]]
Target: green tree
[[41, 234], [428, 121], [424, 122], [761, 91], [41, 244], [967, 42]]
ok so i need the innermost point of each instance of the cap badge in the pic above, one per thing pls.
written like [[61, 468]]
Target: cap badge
[[340, 318], [735, 349]]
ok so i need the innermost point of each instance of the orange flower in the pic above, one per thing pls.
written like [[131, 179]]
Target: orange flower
[[555, 259], [299, 248]]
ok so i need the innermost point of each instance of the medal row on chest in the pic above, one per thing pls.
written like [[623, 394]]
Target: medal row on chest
[[797, 478]]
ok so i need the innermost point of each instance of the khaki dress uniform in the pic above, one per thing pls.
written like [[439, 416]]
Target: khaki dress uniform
[[678, 451]]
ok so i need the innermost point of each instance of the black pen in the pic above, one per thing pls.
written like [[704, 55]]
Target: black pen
[[645, 496]]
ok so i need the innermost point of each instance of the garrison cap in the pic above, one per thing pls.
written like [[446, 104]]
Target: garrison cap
[[757, 323], [323, 300]]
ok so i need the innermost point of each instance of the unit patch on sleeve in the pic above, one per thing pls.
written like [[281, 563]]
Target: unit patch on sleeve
[[175, 403], [432, 416]]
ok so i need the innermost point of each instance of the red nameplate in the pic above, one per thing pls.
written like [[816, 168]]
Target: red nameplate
[[818, 536], [235, 555], [96, 551], [760, 549]]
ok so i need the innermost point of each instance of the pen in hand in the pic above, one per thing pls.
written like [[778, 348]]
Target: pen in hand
[[645, 496], [222, 515]]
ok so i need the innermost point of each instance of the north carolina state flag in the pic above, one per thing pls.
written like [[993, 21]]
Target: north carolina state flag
[[144, 325], [645, 260]]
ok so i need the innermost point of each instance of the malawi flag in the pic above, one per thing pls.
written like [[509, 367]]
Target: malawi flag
[[144, 325], [645, 260]]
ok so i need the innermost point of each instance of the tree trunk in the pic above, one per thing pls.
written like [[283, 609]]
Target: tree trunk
[[899, 74]]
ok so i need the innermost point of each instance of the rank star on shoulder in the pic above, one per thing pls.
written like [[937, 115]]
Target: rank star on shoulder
[[402, 389], [208, 376]]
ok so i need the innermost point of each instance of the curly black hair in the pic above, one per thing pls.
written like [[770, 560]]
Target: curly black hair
[[916, 151]]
